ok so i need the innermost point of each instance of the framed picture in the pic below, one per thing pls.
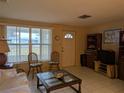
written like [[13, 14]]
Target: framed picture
[[111, 36]]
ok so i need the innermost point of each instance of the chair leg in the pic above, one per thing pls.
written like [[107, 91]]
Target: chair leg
[[33, 73], [50, 67], [37, 69], [40, 69], [29, 71], [58, 66]]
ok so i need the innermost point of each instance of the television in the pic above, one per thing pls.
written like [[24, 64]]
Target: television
[[106, 56]]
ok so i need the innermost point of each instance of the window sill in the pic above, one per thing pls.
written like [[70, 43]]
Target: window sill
[[23, 62]]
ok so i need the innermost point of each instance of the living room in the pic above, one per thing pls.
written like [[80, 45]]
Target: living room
[[63, 24]]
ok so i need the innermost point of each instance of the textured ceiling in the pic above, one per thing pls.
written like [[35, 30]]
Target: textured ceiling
[[64, 11]]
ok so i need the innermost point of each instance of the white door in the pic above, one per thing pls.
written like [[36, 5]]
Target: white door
[[68, 49]]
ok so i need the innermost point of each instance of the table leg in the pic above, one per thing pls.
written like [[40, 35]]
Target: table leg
[[79, 87], [48, 91], [38, 82]]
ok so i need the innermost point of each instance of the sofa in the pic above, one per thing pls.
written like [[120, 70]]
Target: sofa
[[13, 82]]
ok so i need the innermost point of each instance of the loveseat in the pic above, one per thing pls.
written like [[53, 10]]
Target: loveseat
[[13, 82]]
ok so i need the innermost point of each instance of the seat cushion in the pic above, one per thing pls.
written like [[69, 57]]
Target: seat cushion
[[53, 63], [35, 64], [13, 82], [19, 89], [6, 74]]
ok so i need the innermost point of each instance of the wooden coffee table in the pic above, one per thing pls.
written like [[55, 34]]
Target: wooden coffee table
[[50, 82]]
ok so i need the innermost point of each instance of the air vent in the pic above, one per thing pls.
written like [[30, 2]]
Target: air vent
[[84, 16], [3, 0]]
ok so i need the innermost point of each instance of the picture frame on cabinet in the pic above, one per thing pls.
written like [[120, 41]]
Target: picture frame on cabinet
[[111, 36]]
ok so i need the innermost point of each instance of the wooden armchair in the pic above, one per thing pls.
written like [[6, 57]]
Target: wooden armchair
[[33, 63], [55, 59]]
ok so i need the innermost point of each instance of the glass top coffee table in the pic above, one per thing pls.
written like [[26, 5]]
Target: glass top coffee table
[[51, 82]]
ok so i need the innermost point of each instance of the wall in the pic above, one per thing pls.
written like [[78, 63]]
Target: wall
[[57, 30], [2, 29]]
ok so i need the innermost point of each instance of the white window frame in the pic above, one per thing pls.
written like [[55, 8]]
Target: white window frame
[[30, 43]]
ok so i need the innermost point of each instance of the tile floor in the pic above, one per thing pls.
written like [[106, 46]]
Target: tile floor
[[92, 82]]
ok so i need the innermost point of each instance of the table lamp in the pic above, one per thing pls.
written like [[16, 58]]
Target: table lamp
[[3, 49]]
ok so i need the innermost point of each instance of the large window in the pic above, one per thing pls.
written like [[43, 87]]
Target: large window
[[23, 40]]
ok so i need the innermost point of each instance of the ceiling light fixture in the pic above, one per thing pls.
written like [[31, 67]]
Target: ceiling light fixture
[[84, 16]]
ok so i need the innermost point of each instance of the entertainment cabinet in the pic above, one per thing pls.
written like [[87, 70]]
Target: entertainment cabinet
[[91, 56], [94, 43], [106, 69]]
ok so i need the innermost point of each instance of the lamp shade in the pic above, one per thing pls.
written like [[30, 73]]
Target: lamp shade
[[4, 46]]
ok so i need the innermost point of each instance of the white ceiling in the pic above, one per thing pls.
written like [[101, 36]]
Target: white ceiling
[[64, 11]]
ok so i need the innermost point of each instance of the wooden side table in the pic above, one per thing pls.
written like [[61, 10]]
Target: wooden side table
[[7, 66]]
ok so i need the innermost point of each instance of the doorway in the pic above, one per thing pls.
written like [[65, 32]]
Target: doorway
[[68, 49]]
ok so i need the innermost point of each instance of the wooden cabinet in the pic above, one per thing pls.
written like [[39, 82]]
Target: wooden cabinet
[[121, 56], [91, 57], [94, 43], [83, 60]]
